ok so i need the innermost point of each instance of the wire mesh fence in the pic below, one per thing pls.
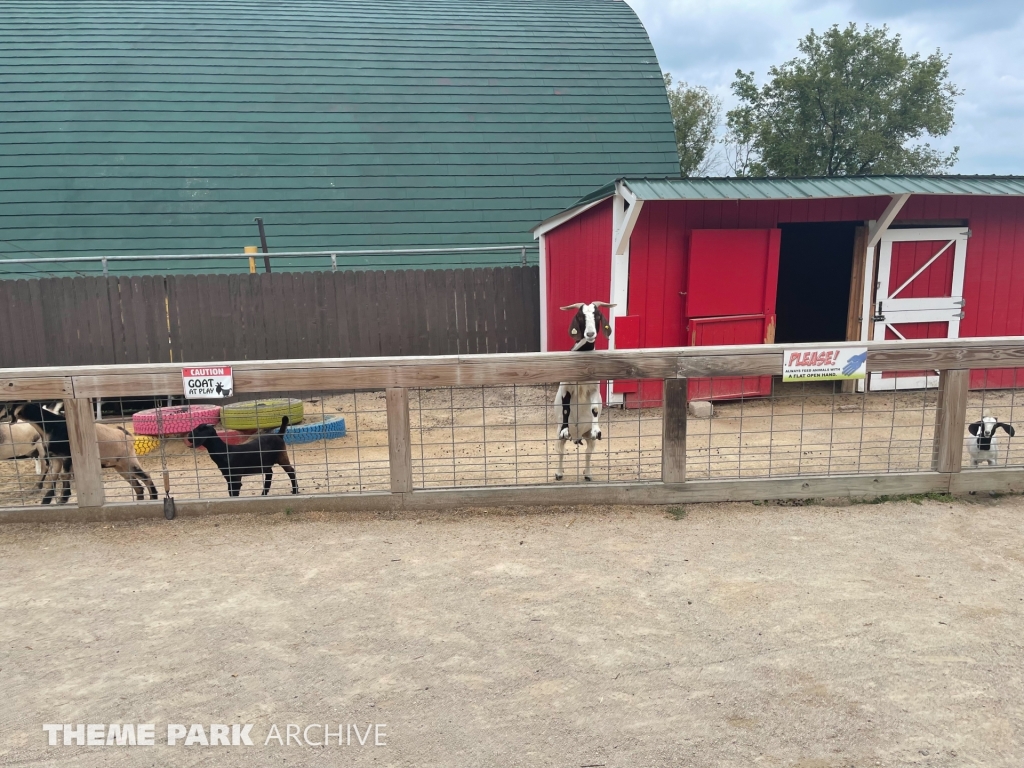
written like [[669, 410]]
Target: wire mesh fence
[[472, 437], [497, 436], [1000, 399], [811, 428]]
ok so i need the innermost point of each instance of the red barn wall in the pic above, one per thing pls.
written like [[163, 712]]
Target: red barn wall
[[993, 281], [578, 258]]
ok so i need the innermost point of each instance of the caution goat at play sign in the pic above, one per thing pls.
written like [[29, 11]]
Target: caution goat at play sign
[[828, 364], [208, 382]]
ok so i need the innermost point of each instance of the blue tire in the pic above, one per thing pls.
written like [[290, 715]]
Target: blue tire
[[318, 430]]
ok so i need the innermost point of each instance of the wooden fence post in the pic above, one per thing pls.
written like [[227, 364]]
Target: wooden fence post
[[673, 432], [85, 452], [950, 415], [399, 440]]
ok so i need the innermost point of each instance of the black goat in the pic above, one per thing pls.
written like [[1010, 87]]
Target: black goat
[[253, 457]]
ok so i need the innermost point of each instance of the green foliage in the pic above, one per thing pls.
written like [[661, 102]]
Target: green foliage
[[696, 113], [852, 103], [678, 513]]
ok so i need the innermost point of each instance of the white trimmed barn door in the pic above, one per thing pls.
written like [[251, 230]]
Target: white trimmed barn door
[[919, 294]]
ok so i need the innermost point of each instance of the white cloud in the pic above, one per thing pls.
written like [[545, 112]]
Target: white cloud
[[704, 42]]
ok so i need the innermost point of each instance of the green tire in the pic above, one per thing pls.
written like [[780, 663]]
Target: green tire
[[261, 414]]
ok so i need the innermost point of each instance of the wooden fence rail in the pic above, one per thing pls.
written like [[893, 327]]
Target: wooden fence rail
[[952, 358], [280, 316]]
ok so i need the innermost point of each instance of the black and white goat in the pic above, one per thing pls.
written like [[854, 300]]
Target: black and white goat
[[983, 445], [581, 402]]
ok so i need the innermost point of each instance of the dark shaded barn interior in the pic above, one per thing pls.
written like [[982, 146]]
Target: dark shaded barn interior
[[815, 265]]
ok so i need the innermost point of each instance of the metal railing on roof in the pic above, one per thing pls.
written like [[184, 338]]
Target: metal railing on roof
[[335, 258]]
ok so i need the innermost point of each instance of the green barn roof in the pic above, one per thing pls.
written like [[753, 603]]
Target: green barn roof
[[166, 127]]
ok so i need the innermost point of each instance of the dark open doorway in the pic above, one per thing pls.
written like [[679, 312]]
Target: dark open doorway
[[815, 264]]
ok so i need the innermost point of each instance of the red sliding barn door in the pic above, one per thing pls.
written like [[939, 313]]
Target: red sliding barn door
[[729, 298]]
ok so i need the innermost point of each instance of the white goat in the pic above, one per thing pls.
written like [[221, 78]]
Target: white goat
[[983, 446], [578, 425]]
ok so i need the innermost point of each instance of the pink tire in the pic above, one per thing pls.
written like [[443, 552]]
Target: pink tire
[[176, 420]]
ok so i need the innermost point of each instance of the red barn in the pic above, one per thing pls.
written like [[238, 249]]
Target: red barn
[[692, 262]]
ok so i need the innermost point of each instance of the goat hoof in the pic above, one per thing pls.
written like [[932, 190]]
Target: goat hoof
[[588, 478], [972, 492], [558, 476]]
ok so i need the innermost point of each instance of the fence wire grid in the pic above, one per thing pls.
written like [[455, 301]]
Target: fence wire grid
[[465, 437]]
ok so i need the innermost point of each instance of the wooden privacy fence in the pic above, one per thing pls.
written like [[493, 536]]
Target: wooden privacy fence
[[952, 358], [279, 316]]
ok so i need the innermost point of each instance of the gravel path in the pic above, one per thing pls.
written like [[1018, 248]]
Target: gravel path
[[739, 635]]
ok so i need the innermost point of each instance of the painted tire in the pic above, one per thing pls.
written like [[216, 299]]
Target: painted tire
[[176, 420], [232, 436], [261, 414], [145, 444], [328, 429]]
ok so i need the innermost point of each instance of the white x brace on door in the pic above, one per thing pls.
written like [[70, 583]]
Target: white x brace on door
[[918, 287]]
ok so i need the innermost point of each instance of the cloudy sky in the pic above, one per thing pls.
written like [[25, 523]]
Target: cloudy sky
[[705, 41]]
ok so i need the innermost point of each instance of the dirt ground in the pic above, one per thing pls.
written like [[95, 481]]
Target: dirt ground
[[721, 635], [506, 436]]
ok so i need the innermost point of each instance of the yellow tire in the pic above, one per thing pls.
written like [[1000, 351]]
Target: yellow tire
[[261, 414], [145, 444]]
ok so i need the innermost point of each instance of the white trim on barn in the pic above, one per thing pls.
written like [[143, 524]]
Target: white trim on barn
[[543, 272], [623, 221], [875, 231], [559, 219]]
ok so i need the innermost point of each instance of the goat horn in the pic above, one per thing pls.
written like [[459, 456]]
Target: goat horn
[[573, 306], [604, 304]]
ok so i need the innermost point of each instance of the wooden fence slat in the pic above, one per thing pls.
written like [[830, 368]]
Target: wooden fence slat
[[421, 299], [86, 315], [434, 307], [266, 300], [36, 313], [224, 318], [256, 337], [328, 314], [463, 305], [451, 315], [8, 358], [104, 320], [115, 307], [531, 290], [410, 341], [12, 324], [293, 323], [313, 283], [348, 322], [166, 342]]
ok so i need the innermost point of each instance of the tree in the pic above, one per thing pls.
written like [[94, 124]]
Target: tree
[[696, 113], [853, 103]]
